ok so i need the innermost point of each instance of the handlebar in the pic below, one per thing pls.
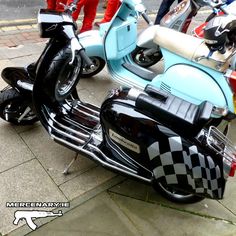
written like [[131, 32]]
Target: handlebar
[[218, 5], [71, 7], [146, 18]]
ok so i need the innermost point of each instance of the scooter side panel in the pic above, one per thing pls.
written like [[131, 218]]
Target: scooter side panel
[[185, 167], [173, 160], [189, 82]]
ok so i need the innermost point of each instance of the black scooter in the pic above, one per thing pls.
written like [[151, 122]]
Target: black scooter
[[149, 135], [16, 99]]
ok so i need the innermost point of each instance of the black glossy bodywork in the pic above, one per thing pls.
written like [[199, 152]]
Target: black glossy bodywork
[[126, 139], [57, 26], [178, 161]]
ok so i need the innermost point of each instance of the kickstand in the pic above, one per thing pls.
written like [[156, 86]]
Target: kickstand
[[66, 170]]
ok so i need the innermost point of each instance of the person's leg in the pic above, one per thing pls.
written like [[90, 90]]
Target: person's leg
[[164, 8], [51, 4], [90, 10], [112, 7]]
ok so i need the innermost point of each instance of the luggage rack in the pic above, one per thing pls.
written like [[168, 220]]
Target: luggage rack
[[221, 144]]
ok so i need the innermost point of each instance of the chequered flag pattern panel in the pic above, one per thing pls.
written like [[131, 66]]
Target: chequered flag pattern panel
[[183, 165]]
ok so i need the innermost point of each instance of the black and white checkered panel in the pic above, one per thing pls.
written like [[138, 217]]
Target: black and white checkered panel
[[185, 166]]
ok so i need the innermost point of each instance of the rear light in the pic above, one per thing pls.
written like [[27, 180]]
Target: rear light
[[232, 169], [199, 31], [231, 76]]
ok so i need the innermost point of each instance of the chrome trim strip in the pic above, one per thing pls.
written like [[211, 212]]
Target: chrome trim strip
[[99, 160], [69, 129]]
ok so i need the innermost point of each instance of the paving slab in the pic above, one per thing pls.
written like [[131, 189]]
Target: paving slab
[[25, 61], [207, 207], [13, 150], [152, 219], [97, 217], [86, 182], [115, 214], [54, 157], [21, 50], [3, 64], [22, 128], [26, 182], [95, 89], [230, 196]]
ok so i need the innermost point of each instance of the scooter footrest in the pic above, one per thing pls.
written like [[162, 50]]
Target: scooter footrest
[[141, 72], [174, 112]]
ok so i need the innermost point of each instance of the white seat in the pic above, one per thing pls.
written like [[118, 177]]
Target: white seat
[[191, 48]]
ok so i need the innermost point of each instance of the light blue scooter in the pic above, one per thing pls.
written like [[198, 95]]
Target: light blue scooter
[[192, 71]]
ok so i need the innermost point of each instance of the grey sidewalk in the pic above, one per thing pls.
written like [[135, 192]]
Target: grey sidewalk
[[101, 203]]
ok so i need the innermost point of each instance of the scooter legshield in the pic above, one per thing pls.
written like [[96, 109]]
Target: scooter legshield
[[173, 160]]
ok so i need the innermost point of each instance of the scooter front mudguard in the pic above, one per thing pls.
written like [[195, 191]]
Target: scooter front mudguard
[[92, 42]]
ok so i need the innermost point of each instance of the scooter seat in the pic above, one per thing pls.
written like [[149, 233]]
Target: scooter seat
[[191, 48], [181, 116]]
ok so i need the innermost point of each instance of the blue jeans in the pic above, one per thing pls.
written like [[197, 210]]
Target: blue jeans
[[164, 8]]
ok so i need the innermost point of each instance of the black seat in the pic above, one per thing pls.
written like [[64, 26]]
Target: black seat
[[174, 112]]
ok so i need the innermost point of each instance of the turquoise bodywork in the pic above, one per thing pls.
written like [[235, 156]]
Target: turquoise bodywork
[[114, 42], [184, 78]]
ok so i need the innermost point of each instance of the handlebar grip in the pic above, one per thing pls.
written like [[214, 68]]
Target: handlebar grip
[[86, 58], [146, 18]]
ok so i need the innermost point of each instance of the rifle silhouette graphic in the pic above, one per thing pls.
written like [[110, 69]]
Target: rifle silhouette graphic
[[28, 215]]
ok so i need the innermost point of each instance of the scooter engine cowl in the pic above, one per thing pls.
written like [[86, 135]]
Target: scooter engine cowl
[[174, 161]]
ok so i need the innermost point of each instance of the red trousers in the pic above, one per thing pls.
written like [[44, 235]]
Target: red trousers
[[55, 4], [90, 9], [112, 7]]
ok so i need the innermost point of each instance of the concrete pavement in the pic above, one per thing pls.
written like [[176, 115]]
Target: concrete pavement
[[101, 202]]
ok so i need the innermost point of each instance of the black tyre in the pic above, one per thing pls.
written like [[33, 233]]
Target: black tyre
[[13, 105], [98, 63], [62, 77], [175, 195], [140, 58]]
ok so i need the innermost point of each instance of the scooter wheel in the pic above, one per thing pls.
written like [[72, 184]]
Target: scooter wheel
[[175, 195], [140, 58], [98, 63], [62, 77], [13, 105]]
